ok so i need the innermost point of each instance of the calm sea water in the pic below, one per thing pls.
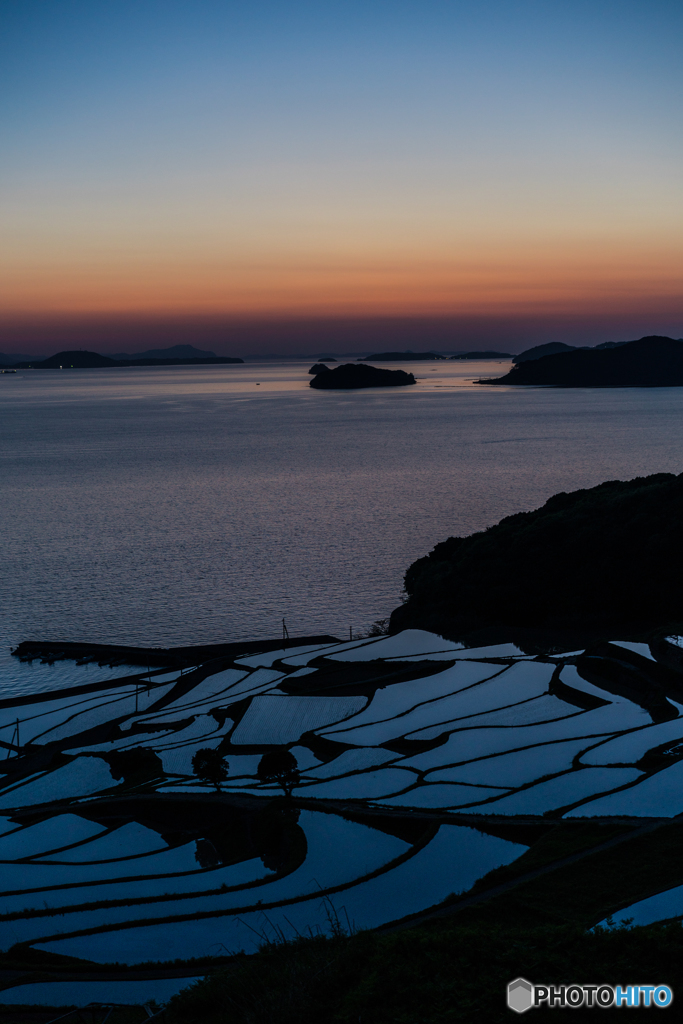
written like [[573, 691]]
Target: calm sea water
[[193, 505]]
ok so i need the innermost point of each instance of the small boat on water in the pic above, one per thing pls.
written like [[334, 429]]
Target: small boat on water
[[8, 371]]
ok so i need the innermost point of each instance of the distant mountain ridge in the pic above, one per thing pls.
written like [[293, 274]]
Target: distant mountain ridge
[[175, 352], [11, 358], [553, 347], [538, 351], [401, 356], [80, 359], [485, 354]]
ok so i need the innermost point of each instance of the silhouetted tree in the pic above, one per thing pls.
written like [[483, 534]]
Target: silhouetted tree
[[135, 766], [279, 766], [210, 766], [378, 628]]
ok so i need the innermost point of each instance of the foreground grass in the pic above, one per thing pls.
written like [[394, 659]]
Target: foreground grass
[[457, 968], [452, 968], [31, 1014], [425, 976]]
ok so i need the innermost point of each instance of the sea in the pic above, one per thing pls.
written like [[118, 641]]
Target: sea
[[190, 505]]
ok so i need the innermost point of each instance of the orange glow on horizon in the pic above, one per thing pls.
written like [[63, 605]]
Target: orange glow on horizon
[[524, 280]]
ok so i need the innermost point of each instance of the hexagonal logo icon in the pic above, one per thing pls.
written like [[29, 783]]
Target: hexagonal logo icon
[[520, 995]]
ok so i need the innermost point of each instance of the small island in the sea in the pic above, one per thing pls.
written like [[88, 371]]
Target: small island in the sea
[[80, 359], [355, 375], [650, 362]]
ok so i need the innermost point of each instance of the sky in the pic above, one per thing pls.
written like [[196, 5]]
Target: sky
[[296, 176]]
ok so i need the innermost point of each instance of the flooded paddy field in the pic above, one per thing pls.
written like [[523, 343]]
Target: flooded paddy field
[[419, 767]]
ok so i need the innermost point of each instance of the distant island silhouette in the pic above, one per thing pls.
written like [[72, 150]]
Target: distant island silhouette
[[79, 359], [318, 368], [400, 357], [12, 358], [538, 351], [649, 362], [552, 347], [357, 375], [486, 354]]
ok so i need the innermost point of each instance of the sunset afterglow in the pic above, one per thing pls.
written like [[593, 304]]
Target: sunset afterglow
[[273, 161]]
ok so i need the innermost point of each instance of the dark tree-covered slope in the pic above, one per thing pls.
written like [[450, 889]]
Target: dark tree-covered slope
[[606, 558], [649, 362]]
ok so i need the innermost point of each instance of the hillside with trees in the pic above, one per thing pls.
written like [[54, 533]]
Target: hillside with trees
[[602, 559]]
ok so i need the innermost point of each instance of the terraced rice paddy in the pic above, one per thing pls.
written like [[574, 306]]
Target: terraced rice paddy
[[112, 849], [663, 906]]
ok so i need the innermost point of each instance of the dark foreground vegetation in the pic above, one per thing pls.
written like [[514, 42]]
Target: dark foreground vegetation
[[590, 561], [447, 974], [426, 976], [92, 1015], [530, 922], [650, 362], [359, 375], [456, 969]]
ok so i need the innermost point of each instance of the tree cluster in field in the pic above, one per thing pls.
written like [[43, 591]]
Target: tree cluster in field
[[276, 766], [211, 767], [608, 557]]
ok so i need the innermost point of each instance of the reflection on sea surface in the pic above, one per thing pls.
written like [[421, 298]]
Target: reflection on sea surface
[[187, 505]]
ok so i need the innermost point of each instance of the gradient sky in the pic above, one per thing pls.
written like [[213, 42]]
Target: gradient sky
[[484, 163]]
